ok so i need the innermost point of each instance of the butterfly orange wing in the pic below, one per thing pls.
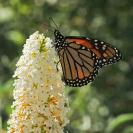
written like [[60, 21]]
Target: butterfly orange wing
[[105, 53]]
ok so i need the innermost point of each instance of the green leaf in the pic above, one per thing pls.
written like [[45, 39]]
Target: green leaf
[[118, 122]]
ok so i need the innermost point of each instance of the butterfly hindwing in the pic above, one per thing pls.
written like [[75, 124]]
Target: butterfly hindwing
[[78, 65]]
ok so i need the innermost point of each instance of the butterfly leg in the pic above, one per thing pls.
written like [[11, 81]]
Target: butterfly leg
[[63, 79], [57, 63]]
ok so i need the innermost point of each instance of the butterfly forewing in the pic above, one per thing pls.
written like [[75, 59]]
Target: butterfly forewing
[[105, 53], [109, 54]]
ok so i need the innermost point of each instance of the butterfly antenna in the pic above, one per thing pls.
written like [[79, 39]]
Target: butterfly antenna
[[50, 18]]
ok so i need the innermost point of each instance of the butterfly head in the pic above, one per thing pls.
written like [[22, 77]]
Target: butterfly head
[[58, 35], [59, 39]]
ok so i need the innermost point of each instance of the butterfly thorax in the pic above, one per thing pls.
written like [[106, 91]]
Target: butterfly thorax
[[59, 42]]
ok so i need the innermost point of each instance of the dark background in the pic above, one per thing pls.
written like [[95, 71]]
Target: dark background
[[107, 104]]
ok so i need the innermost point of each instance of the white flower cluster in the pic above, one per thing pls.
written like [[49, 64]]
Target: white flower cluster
[[40, 105]]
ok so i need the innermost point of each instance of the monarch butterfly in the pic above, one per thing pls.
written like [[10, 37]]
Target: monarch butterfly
[[81, 57]]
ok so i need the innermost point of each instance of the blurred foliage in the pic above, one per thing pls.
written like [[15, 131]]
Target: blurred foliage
[[107, 105]]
